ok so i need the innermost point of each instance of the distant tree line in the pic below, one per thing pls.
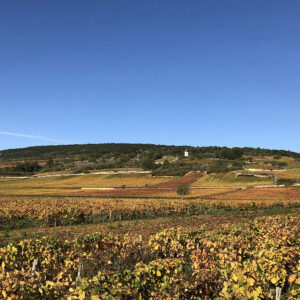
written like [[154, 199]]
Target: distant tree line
[[25, 168], [95, 151]]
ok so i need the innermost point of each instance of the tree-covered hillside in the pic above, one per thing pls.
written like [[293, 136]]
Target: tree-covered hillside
[[84, 158], [115, 150]]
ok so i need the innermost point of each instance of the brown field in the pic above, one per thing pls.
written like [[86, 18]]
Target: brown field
[[257, 194], [7, 165], [286, 159], [6, 179]]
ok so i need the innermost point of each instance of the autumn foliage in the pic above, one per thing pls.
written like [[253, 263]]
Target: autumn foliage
[[232, 262]]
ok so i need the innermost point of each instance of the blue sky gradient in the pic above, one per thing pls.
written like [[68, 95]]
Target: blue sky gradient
[[167, 72]]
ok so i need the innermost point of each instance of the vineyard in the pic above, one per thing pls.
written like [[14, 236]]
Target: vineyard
[[112, 193], [232, 262], [149, 150], [273, 194], [103, 181], [132, 236], [186, 179], [55, 211]]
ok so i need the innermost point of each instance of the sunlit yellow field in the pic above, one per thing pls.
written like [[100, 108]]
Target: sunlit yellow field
[[6, 179], [114, 180], [145, 192]]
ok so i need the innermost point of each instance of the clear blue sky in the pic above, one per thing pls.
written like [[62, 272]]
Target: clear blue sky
[[169, 72]]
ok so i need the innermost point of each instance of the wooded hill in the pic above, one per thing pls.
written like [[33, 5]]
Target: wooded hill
[[85, 158], [90, 151]]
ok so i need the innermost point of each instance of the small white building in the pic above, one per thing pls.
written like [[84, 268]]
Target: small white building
[[186, 153]]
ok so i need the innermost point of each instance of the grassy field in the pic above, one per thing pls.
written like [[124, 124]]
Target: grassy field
[[259, 162], [260, 166], [269, 158], [169, 158], [199, 161], [284, 174], [288, 174], [293, 164], [290, 165], [230, 179]]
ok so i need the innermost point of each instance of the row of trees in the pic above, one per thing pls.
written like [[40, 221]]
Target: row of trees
[[25, 168]]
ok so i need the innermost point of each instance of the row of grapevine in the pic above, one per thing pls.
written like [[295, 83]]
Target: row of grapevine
[[68, 211], [232, 262]]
